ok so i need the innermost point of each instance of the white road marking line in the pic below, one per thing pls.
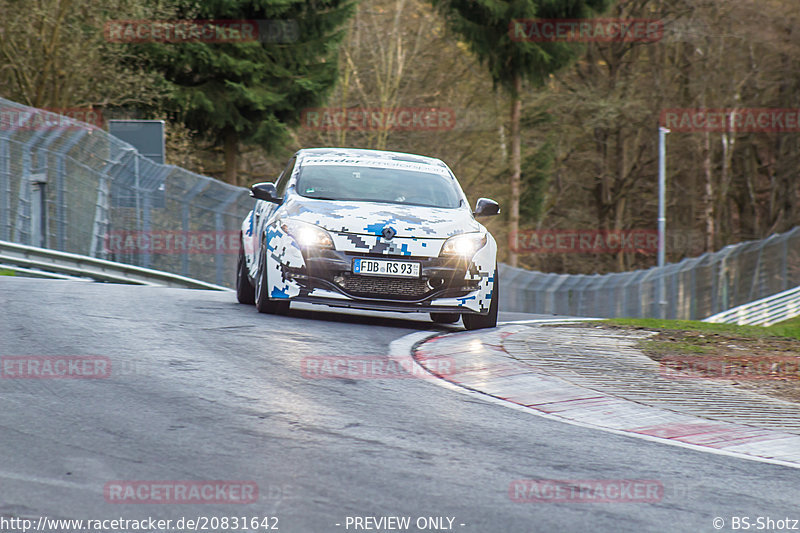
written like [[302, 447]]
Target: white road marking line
[[549, 321]]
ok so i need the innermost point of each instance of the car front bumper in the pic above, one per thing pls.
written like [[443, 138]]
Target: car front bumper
[[445, 285], [325, 276]]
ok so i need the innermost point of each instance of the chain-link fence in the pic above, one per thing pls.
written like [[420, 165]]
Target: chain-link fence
[[692, 289], [73, 187]]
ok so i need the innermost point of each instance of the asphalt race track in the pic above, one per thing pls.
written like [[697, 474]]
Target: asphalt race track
[[203, 388]]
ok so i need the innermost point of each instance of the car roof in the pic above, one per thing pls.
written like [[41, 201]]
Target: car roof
[[370, 154]]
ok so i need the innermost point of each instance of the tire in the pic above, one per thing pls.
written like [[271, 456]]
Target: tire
[[245, 292], [472, 321], [263, 303], [445, 318]]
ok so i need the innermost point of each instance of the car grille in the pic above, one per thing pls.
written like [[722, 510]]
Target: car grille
[[376, 286]]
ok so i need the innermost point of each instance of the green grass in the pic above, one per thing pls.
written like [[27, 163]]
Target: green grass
[[789, 328], [669, 347]]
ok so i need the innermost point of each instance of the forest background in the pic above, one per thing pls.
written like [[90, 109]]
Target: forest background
[[588, 131]]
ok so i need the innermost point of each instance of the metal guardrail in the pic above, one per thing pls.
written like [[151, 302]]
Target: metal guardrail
[[763, 312], [63, 263], [18, 271]]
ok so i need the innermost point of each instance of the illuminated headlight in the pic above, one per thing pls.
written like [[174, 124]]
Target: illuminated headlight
[[464, 245], [307, 235]]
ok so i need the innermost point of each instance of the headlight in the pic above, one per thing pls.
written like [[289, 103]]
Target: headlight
[[307, 235], [464, 245]]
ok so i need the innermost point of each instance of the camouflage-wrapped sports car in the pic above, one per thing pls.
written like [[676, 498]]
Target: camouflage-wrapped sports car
[[369, 229]]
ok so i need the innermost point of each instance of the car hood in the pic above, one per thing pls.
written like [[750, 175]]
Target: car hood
[[370, 218]]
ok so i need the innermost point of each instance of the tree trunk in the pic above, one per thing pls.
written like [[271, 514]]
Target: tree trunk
[[231, 148], [516, 170], [709, 195], [621, 162]]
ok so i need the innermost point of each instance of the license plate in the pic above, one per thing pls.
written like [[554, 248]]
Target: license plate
[[379, 267]]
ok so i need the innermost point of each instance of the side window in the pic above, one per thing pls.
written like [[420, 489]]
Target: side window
[[284, 178]]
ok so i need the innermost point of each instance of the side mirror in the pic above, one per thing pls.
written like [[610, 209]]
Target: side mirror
[[485, 207], [265, 191]]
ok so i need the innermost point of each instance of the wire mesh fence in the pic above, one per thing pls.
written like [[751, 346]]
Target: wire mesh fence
[[693, 288], [73, 187]]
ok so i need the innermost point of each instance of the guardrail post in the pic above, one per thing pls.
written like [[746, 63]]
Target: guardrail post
[[38, 185], [219, 224], [756, 274], [61, 178], [662, 216], [44, 151], [24, 196], [97, 248], [785, 262], [5, 189], [147, 200], [720, 302], [186, 204]]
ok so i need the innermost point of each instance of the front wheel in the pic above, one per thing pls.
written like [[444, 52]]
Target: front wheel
[[263, 303], [488, 320]]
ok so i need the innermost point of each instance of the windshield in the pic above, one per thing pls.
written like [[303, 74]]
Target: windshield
[[371, 184]]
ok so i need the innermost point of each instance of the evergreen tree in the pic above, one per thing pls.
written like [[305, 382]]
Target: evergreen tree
[[247, 91], [484, 25]]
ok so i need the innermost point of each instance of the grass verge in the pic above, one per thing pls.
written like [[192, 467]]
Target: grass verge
[[763, 359]]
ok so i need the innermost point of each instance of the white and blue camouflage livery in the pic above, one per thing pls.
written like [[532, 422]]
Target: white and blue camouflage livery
[[333, 214]]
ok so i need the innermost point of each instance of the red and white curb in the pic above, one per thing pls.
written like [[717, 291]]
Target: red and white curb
[[483, 368]]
